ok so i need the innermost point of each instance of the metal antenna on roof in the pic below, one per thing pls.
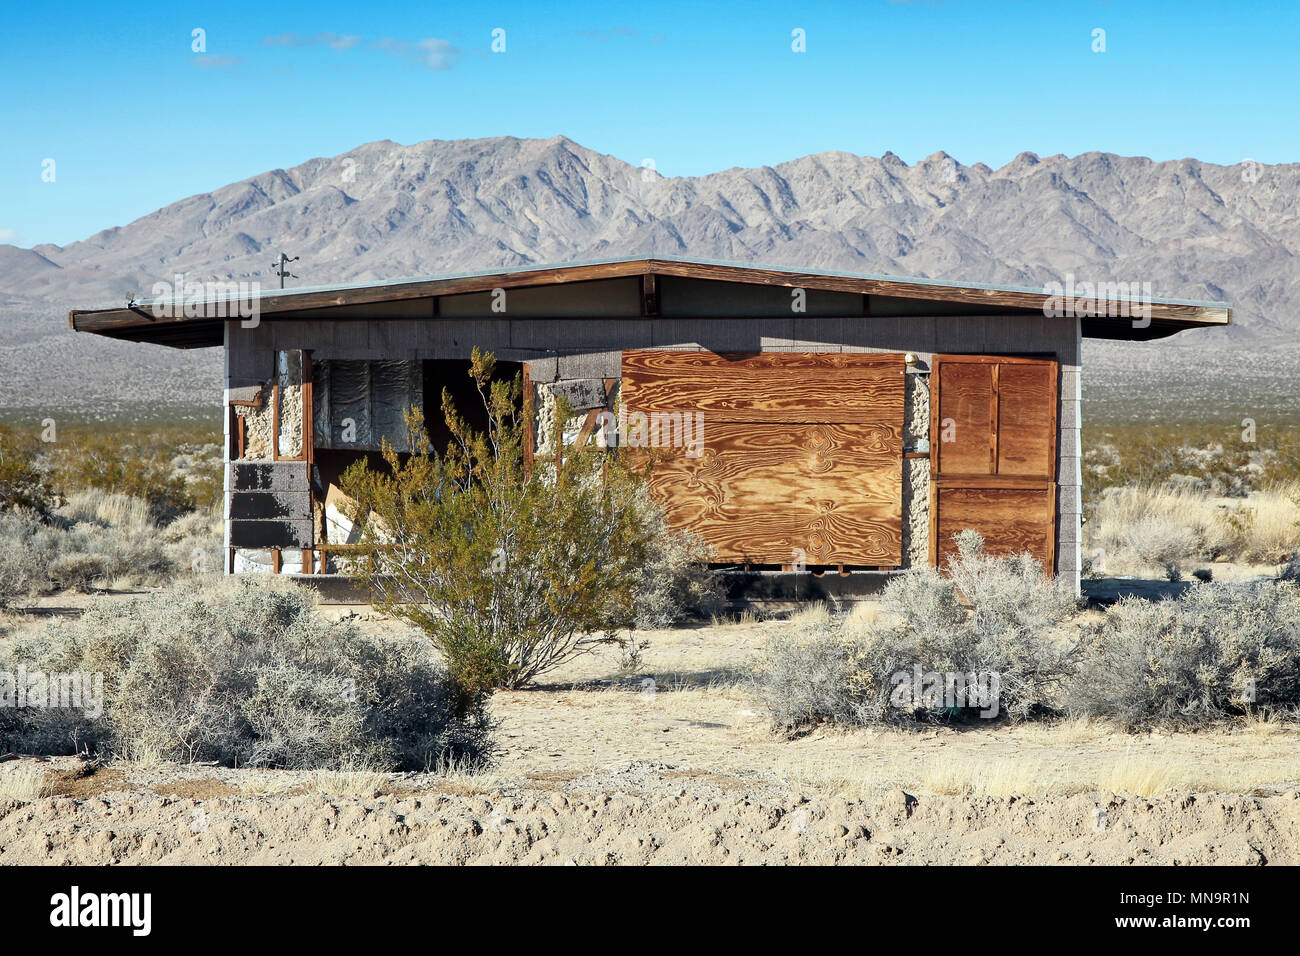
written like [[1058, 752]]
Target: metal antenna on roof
[[281, 271]]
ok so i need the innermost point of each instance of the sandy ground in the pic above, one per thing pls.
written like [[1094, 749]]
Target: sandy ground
[[644, 814], [674, 765]]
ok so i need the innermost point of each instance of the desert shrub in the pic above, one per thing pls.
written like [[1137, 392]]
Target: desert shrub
[[986, 615], [1211, 459], [675, 580], [87, 554], [25, 551], [1141, 527], [816, 677], [510, 570], [77, 571], [1216, 651], [132, 465], [22, 483], [244, 673], [1291, 570], [194, 542]]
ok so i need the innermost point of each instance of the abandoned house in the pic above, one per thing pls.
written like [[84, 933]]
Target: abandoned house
[[820, 425]]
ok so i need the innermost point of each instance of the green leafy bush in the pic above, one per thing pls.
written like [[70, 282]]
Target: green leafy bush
[[511, 570]]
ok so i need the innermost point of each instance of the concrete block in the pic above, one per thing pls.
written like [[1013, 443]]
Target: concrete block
[[267, 476], [271, 534], [263, 505]]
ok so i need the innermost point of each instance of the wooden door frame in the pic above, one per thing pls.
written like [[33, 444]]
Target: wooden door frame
[[991, 480]]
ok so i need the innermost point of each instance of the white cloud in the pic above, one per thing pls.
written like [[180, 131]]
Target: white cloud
[[335, 41], [431, 52]]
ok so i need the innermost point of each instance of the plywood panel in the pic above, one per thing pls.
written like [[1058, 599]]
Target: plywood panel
[[761, 491], [1000, 478], [767, 387], [1012, 520], [1026, 434], [802, 452], [964, 419]]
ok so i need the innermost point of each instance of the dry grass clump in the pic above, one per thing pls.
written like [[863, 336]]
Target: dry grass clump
[[107, 510], [1268, 524], [25, 782], [362, 783], [999, 777], [1140, 527], [1149, 777], [816, 614]]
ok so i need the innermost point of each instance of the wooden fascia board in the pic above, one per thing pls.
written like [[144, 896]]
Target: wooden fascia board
[[124, 318]]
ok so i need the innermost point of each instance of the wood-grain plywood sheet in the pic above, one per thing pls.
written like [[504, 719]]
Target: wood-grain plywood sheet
[[762, 490], [997, 475], [766, 387], [1011, 520], [965, 411], [1027, 419], [802, 452]]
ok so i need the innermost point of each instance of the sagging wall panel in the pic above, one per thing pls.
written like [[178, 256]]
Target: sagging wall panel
[[358, 404]]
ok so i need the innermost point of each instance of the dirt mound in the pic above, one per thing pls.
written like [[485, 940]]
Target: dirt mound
[[674, 821]]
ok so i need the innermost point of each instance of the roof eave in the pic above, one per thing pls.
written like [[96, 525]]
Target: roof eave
[[145, 322]]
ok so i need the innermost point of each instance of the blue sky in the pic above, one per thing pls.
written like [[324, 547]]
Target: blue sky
[[134, 120]]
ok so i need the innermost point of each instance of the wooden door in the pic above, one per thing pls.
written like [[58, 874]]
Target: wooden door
[[993, 428], [801, 455]]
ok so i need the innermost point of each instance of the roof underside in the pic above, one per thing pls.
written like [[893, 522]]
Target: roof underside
[[165, 323]]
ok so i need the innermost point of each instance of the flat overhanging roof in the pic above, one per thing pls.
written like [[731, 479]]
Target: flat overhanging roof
[[165, 322]]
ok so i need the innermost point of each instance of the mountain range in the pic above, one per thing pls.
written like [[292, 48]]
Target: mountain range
[[1193, 230]]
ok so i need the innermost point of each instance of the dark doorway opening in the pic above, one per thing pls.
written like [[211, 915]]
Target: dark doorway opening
[[453, 375]]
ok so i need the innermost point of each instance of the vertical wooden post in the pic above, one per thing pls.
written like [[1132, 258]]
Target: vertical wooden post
[[649, 295], [993, 421], [308, 413], [275, 416], [529, 434]]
